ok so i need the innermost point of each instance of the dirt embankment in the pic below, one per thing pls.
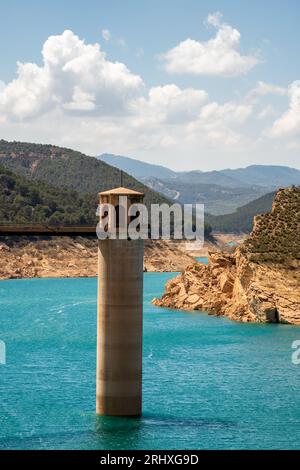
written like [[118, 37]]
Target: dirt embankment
[[77, 257]]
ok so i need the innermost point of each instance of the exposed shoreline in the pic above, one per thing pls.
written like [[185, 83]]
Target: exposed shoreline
[[76, 257], [65, 257]]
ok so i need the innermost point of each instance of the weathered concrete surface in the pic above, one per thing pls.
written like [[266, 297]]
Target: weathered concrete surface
[[120, 324]]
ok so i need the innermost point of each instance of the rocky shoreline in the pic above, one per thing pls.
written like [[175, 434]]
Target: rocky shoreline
[[232, 286], [259, 282], [46, 257]]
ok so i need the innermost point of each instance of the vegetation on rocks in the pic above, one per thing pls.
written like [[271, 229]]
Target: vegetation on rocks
[[276, 235], [259, 282]]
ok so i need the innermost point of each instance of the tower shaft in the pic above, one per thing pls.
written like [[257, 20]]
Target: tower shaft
[[120, 325]]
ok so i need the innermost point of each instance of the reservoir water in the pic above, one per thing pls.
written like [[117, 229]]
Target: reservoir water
[[209, 383], [202, 259]]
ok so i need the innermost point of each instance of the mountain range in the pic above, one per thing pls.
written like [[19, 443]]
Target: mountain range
[[58, 186], [55, 185], [221, 191]]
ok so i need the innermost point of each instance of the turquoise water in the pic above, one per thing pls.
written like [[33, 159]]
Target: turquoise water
[[202, 259], [209, 383]]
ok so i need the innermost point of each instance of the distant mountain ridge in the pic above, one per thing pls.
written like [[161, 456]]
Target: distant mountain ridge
[[222, 191], [78, 178], [266, 175], [136, 168], [217, 199], [253, 175]]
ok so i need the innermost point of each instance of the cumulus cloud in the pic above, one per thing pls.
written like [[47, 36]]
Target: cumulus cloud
[[74, 76], [79, 98], [219, 124], [266, 112], [289, 123], [228, 112], [169, 104], [218, 56], [81, 101]]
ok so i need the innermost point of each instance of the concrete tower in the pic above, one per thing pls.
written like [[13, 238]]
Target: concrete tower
[[120, 317]]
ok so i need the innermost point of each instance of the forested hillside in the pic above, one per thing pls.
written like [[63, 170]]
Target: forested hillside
[[242, 219], [66, 168], [23, 201]]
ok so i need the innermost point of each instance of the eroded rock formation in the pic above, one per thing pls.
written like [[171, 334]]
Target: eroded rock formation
[[259, 282]]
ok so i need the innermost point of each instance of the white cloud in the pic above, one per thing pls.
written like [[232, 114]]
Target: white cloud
[[106, 34], [289, 123], [170, 104], [118, 41], [294, 145], [264, 88], [80, 99], [218, 56], [228, 112], [266, 112], [218, 125], [74, 76]]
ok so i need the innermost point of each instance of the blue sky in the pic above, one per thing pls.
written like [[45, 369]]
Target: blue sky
[[191, 131]]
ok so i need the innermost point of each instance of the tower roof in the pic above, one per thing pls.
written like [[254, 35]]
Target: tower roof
[[121, 191]]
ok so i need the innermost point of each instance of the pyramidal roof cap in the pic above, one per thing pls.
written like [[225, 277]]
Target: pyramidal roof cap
[[121, 191]]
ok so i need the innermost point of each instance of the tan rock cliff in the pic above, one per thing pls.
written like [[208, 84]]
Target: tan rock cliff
[[259, 282]]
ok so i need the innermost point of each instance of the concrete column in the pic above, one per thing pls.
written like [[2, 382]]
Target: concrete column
[[120, 325]]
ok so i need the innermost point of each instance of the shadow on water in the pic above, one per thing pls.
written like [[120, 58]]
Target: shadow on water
[[112, 424], [112, 433], [108, 425]]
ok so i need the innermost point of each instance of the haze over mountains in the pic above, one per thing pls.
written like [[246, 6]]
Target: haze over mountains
[[221, 191]]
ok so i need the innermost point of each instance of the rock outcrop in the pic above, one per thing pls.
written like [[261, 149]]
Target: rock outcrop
[[259, 282]]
